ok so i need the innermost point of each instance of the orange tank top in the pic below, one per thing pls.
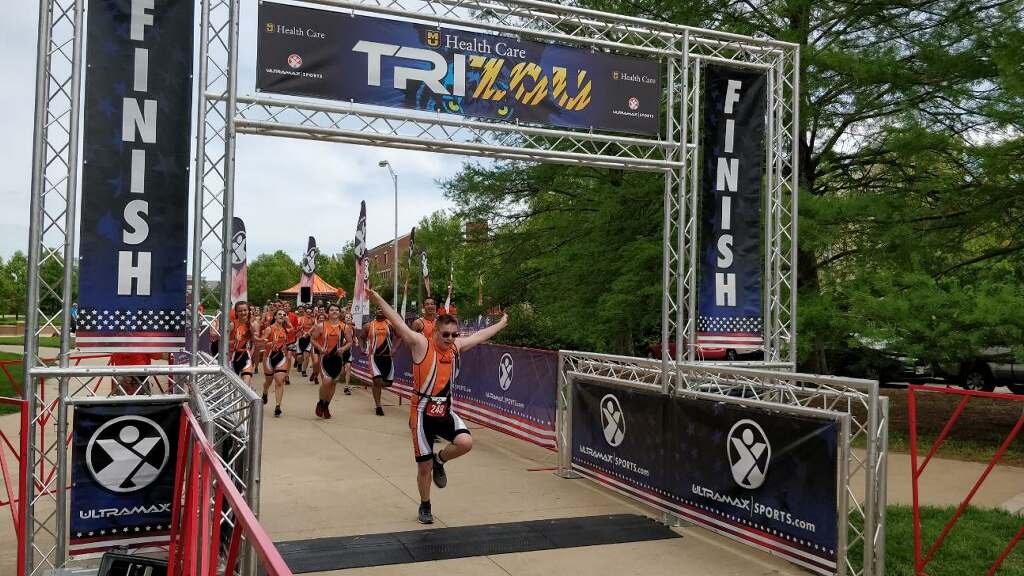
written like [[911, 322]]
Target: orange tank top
[[379, 338], [241, 337], [428, 327], [437, 372], [331, 336], [277, 339]]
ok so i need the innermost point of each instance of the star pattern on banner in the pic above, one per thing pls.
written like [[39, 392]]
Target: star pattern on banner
[[730, 324], [132, 320]]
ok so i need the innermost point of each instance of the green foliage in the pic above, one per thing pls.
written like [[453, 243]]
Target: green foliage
[[911, 188], [269, 274]]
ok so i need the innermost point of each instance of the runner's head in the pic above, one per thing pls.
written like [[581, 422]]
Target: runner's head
[[333, 312], [242, 310], [429, 307], [446, 330], [378, 314], [348, 317], [287, 306], [280, 317]]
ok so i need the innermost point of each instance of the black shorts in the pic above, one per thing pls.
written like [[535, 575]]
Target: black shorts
[[428, 430], [382, 367], [331, 365], [242, 363], [304, 344], [346, 356]]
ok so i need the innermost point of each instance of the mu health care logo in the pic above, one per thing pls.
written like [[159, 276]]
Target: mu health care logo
[[505, 371], [433, 38], [613, 421], [127, 453], [749, 453]]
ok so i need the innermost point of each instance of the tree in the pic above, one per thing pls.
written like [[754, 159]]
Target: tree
[[17, 275], [910, 176], [269, 274]]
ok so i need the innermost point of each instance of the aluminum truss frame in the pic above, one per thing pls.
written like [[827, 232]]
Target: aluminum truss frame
[[856, 403], [683, 51], [222, 115]]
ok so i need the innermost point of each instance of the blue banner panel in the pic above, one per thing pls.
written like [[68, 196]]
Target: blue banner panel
[[123, 460], [509, 389], [729, 294], [135, 176], [341, 56], [765, 479]]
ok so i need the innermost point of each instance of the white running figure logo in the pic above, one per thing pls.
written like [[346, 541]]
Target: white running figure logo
[[613, 421], [129, 468], [746, 444]]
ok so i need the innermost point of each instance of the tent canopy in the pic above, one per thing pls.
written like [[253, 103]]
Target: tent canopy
[[320, 289]]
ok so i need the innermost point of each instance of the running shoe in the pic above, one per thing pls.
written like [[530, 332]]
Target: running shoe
[[379, 411], [264, 397], [425, 516], [287, 381], [440, 478], [320, 408], [277, 413], [348, 392], [327, 410]]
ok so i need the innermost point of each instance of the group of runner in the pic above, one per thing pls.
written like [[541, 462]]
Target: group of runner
[[318, 341]]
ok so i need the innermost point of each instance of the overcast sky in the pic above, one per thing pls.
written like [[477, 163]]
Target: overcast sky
[[286, 190]]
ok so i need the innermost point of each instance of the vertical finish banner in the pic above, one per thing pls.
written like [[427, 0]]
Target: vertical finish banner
[[239, 263], [308, 270], [123, 460], [729, 300], [135, 176], [360, 299]]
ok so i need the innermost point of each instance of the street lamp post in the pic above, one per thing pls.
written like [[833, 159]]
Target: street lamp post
[[394, 264]]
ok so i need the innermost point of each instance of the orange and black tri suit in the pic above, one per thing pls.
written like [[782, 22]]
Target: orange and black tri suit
[[241, 348], [332, 338], [431, 415], [277, 345], [379, 346]]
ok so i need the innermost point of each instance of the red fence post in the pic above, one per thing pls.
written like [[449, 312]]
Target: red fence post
[[917, 471]]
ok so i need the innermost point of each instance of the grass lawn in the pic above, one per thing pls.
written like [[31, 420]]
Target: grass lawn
[[971, 547], [6, 389], [45, 342]]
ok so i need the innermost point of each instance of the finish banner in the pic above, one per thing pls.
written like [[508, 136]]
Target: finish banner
[[765, 479], [135, 175], [511, 390], [123, 460], [239, 263], [729, 301], [342, 56]]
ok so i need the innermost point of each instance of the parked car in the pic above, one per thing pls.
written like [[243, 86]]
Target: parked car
[[989, 369], [710, 352], [874, 360]]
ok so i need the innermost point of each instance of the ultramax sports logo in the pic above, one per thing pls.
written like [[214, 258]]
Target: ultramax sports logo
[[127, 453], [613, 421], [528, 83], [238, 248], [505, 371], [309, 262], [749, 453]]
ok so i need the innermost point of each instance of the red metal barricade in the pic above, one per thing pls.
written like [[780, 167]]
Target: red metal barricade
[[14, 451], [196, 525], [966, 395]]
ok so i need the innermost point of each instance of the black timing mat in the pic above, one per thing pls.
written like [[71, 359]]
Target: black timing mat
[[323, 554]]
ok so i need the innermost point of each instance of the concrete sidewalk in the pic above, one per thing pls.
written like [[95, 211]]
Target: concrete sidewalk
[[355, 474]]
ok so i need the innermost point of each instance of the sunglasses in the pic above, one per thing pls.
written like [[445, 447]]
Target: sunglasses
[[449, 334]]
